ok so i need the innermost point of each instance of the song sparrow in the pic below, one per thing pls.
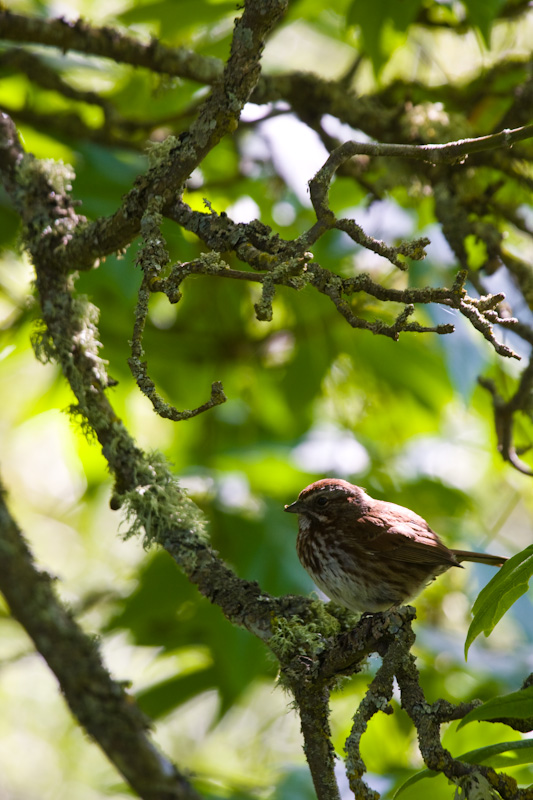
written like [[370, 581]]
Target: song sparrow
[[366, 554]]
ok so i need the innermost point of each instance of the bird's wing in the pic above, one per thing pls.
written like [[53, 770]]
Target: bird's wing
[[402, 535]]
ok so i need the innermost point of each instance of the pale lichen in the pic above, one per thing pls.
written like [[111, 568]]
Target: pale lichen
[[158, 503], [58, 174], [159, 152], [475, 787]]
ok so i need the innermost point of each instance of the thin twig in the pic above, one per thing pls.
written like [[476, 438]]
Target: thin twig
[[376, 699], [504, 415], [152, 257]]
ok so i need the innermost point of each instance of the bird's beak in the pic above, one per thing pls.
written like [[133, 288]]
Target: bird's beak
[[294, 508]]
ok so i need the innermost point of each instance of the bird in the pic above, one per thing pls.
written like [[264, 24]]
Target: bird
[[369, 555]]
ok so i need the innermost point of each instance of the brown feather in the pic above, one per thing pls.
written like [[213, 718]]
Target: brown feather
[[480, 558]]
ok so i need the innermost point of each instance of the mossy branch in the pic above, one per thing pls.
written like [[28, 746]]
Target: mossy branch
[[109, 715]]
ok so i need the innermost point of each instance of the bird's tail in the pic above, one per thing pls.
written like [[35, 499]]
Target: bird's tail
[[481, 558]]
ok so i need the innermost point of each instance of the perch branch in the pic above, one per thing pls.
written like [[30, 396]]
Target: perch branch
[[391, 636]]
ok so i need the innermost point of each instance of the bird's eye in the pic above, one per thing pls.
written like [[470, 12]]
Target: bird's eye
[[321, 501]]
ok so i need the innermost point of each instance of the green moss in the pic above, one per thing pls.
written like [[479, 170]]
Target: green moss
[[293, 637], [158, 504], [42, 343]]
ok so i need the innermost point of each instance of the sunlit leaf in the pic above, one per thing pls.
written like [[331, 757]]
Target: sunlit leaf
[[509, 583], [517, 705], [522, 752], [482, 14], [476, 252], [372, 18]]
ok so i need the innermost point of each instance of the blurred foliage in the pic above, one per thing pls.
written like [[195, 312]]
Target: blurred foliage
[[384, 25], [308, 397]]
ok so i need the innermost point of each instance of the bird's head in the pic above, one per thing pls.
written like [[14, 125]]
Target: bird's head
[[329, 497]]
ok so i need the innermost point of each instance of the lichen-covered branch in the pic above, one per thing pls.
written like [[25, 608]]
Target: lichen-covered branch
[[144, 486], [394, 639], [297, 272], [376, 699], [333, 289], [152, 258], [297, 88], [173, 162], [427, 720], [99, 238], [431, 153], [101, 705], [109, 43], [313, 706]]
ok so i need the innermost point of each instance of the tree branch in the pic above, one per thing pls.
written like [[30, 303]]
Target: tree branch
[[145, 485], [99, 703], [221, 233], [427, 721], [377, 698], [152, 258], [109, 43], [173, 162], [313, 706], [504, 411], [449, 152], [431, 153]]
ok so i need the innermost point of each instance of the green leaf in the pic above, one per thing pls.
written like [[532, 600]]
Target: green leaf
[[516, 704], [482, 14], [370, 19], [171, 19], [476, 252], [164, 696], [165, 610], [510, 583], [523, 752], [373, 18]]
